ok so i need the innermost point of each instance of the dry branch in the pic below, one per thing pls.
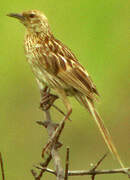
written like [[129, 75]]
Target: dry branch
[[51, 148], [54, 130], [44, 165], [2, 167], [54, 150], [89, 172], [67, 163]]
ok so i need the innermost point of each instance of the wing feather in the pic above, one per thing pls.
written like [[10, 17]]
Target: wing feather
[[72, 79], [67, 68]]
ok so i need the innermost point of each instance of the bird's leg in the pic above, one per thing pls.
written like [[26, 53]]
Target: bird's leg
[[61, 93], [47, 99], [55, 136]]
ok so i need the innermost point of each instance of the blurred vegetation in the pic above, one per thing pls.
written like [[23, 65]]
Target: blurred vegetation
[[97, 32]]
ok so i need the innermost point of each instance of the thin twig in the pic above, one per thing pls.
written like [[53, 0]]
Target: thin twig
[[93, 176], [67, 163], [46, 169], [44, 165], [99, 162], [97, 172], [2, 167], [55, 136], [90, 172]]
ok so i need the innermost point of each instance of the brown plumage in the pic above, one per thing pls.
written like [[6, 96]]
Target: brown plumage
[[55, 66]]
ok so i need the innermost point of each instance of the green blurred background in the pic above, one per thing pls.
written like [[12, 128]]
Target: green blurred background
[[97, 32]]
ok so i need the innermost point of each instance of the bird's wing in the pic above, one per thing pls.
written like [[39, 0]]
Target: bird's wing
[[76, 77], [66, 67]]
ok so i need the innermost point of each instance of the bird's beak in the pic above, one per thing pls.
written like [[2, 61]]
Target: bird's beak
[[15, 15]]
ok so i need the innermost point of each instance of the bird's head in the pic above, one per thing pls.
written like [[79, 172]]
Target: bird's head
[[33, 20]]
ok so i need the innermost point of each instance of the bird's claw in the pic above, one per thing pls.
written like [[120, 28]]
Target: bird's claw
[[47, 101]]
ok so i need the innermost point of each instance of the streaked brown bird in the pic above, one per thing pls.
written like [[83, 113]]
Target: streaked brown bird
[[55, 66]]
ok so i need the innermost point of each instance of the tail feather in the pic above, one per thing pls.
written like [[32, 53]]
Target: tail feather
[[105, 133]]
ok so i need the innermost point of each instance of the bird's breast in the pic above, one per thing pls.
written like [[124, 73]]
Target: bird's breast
[[37, 57]]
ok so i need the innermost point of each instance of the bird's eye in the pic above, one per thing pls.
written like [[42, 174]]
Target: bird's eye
[[31, 15]]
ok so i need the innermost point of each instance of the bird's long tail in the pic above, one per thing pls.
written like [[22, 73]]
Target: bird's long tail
[[105, 133]]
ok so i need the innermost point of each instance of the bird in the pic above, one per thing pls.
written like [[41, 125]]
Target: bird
[[57, 68]]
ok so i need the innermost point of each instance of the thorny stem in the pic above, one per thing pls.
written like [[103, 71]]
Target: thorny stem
[[54, 134], [54, 151]]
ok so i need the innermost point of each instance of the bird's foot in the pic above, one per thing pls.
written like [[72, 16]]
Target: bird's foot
[[47, 100]]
